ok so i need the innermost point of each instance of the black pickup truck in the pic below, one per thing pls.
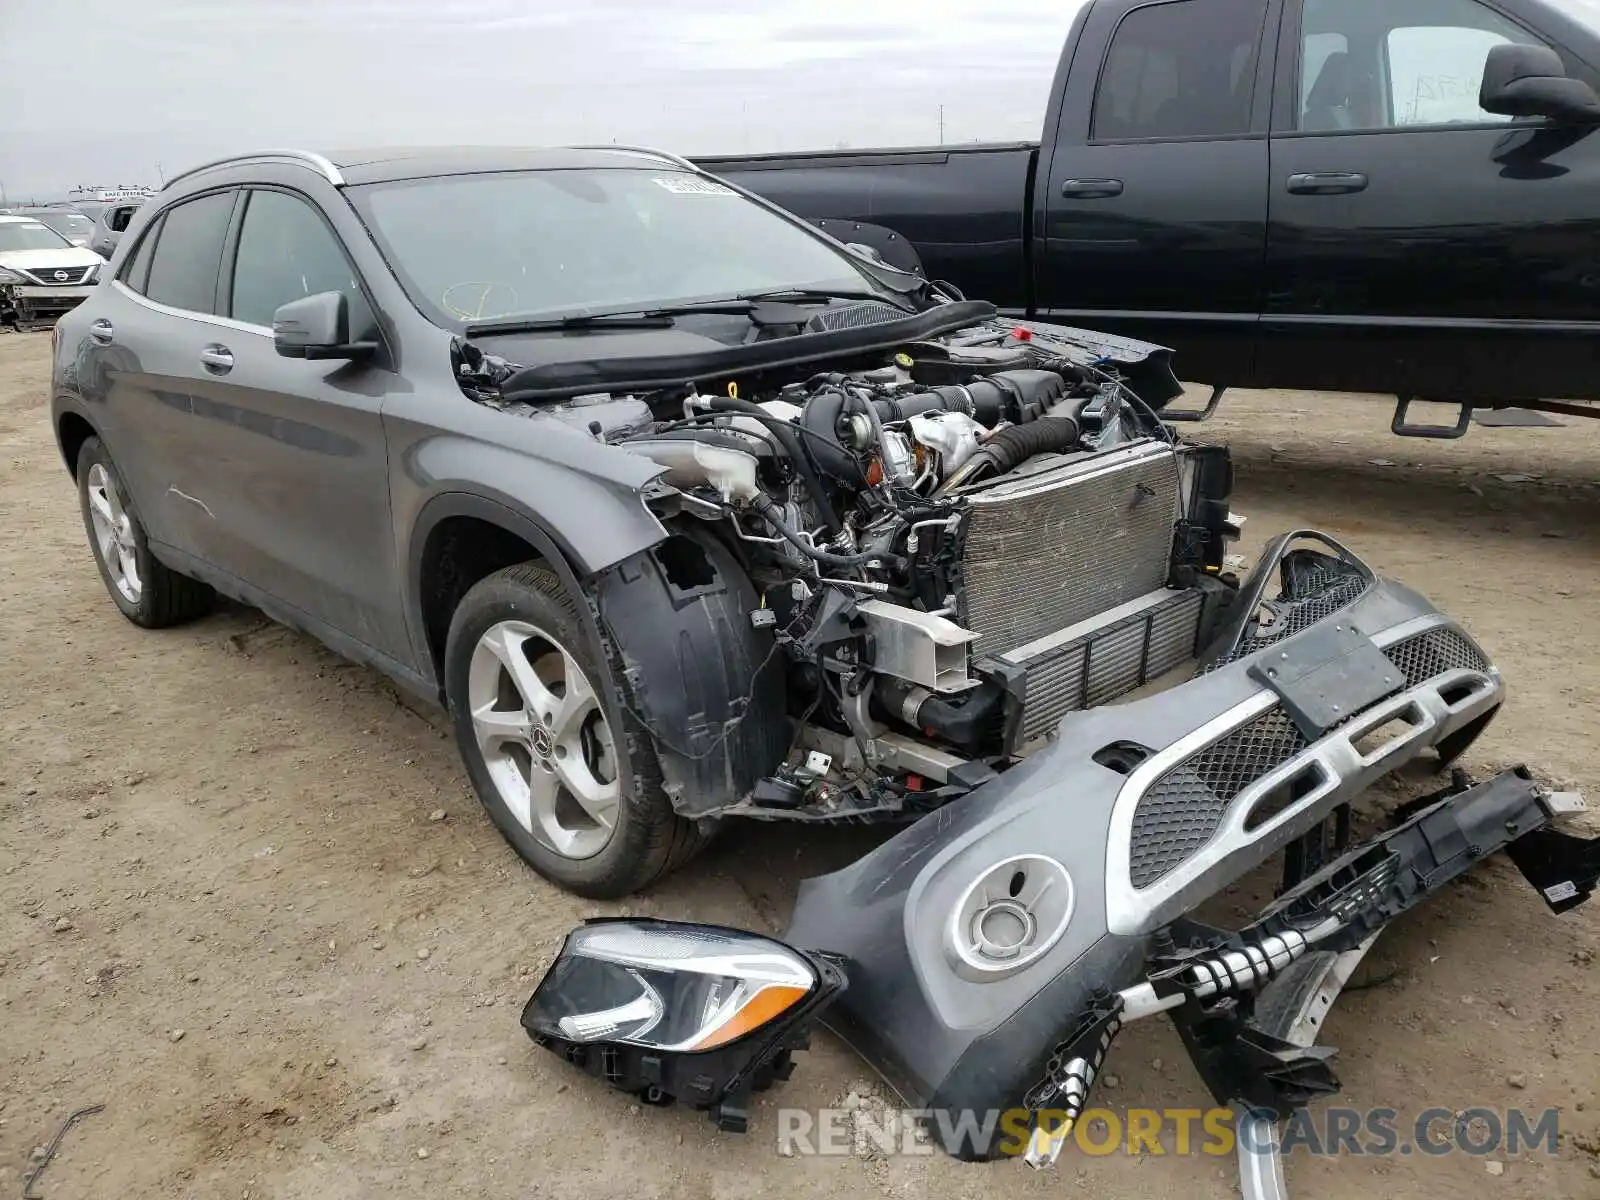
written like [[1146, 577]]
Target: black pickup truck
[[1396, 196]]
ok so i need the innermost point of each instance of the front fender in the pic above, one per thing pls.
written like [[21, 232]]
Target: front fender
[[596, 520]]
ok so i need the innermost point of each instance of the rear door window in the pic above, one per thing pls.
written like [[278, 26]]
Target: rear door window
[[1180, 69], [136, 274], [188, 255]]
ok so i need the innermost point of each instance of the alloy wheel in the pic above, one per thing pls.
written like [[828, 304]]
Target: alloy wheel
[[544, 738], [113, 533]]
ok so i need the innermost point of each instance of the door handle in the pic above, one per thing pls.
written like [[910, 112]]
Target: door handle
[[102, 332], [217, 359], [1091, 189], [1327, 183]]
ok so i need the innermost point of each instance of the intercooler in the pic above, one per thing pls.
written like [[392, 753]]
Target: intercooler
[[1065, 575]]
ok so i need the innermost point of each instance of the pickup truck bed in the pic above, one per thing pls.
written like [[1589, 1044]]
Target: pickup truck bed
[[962, 207]]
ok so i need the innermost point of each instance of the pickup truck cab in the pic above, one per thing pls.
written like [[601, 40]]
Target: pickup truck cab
[[1356, 195]]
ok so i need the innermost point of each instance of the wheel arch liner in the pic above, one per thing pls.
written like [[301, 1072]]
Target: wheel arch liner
[[707, 686]]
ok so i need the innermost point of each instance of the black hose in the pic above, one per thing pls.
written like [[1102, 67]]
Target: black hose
[[770, 513], [1015, 444], [1012, 447], [796, 449]]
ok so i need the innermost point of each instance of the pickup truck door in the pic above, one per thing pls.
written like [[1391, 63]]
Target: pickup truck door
[[1418, 244], [1152, 205]]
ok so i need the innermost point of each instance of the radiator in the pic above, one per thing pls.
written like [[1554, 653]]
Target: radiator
[[1044, 551]]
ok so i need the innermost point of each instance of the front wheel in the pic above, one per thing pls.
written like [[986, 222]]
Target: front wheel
[[572, 784]]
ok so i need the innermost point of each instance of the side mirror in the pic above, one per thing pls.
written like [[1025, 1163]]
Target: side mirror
[[1532, 81], [317, 327], [862, 250]]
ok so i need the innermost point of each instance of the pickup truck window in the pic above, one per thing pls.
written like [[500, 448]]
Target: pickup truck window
[[1180, 69], [1383, 64]]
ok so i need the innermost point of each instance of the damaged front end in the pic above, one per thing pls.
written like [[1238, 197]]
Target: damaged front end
[[887, 573], [963, 991], [995, 948], [972, 582]]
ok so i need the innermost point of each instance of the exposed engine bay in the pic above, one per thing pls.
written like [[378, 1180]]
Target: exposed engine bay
[[945, 548]]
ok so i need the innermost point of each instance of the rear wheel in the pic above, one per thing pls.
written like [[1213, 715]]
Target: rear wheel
[[148, 592], [573, 785]]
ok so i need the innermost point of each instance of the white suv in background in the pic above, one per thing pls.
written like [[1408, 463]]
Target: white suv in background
[[42, 274]]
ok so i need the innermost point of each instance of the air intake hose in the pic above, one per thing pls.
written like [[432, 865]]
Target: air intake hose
[[1018, 396], [1012, 447]]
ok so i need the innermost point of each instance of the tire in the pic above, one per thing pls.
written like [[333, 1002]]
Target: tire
[[528, 769], [147, 592]]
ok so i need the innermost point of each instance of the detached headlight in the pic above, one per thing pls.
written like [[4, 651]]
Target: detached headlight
[[668, 1010]]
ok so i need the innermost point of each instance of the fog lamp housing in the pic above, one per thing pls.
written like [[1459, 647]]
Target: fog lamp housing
[[668, 1010]]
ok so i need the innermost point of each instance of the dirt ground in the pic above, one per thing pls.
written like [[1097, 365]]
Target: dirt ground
[[230, 911]]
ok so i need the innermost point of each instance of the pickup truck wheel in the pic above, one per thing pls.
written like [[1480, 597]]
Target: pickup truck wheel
[[574, 786], [148, 593]]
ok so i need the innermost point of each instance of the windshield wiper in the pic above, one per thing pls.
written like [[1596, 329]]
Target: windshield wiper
[[815, 295], [661, 316], [658, 317]]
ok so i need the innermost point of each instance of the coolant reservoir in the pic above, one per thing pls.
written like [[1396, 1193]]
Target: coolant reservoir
[[953, 436], [691, 463]]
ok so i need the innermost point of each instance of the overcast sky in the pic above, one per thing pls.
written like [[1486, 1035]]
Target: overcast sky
[[100, 92]]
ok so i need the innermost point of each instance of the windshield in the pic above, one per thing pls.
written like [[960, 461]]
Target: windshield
[[537, 243], [1586, 11], [30, 235], [69, 223]]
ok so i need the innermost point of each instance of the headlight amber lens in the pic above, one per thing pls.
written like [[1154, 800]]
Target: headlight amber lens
[[667, 987]]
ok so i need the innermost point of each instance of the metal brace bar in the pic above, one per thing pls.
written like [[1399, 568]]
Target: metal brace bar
[[1196, 414], [1400, 426]]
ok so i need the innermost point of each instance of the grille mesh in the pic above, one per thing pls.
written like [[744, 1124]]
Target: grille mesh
[[1047, 551], [854, 316], [47, 275], [1433, 652], [1182, 809], [1318, 595]]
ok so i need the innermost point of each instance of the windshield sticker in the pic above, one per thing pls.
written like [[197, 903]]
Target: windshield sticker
[[693, 185]]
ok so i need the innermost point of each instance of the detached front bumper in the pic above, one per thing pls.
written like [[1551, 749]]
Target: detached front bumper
[[978, 938], [985, 959]]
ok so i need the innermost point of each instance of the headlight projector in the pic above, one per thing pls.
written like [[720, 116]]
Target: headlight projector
[[670, 1011]]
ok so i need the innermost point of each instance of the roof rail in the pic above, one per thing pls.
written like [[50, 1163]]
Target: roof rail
[[651, 151], [304, 158]]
